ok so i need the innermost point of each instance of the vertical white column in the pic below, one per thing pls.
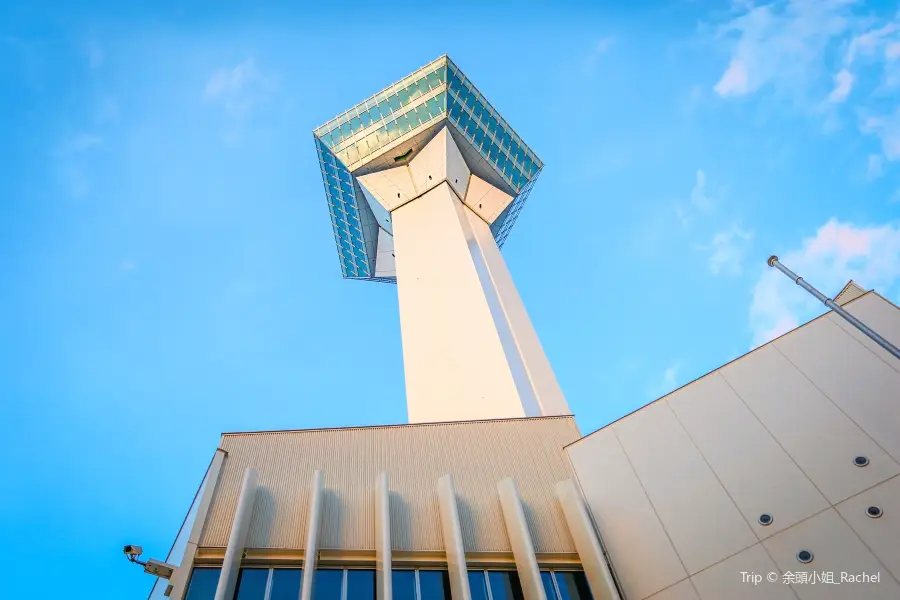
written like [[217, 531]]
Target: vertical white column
[[234, 552], [520, 540], [526, 343], [454, 361], [453, 542], [383, 587], [586, 543], [179, 579], [311, 553]]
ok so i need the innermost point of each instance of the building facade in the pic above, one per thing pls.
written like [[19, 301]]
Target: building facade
[[793, 447], [782, 463]]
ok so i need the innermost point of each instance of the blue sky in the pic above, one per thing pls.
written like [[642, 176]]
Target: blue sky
[[168, 271]]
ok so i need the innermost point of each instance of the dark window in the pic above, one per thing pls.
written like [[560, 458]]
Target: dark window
[[478, 585], [434, 585], [251, 584], [572, 585], [203, 583], [286, 584], [403, 585], [505, 585], [328, 584], [360, 582], [547, 580]]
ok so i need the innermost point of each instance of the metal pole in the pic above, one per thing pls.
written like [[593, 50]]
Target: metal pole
[[773, 262]]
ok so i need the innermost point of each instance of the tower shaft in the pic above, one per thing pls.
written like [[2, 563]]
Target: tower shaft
[[469, 349]]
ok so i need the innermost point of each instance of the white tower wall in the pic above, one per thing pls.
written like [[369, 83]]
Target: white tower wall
[[469, 349]]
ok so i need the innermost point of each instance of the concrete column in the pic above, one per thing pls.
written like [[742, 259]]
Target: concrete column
[[586, 542], [178, 582], [520, 540], [383, 589], [311, 553], [237, 540], [453, 542]]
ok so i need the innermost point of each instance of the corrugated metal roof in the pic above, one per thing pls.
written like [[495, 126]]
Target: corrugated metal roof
[[850, 292], [477, 453]]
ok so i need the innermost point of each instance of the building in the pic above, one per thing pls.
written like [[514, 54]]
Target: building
[[424, 181], [781, 463], [792, 447]]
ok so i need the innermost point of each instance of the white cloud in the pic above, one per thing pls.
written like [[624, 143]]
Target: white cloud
[[727, 251], [843, 83], [667, 382], [876, 167], [600, 48], [699, 197], [818, 53], [838, 252], [239, 89], [700, 201], [780, 43], [887, 129], [734, 81], [865, 44], [892, 51]]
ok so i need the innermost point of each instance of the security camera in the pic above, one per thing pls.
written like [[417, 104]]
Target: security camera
[[159, 568], [152, 566]]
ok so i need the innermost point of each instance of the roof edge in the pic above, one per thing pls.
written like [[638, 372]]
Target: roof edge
[[398, 425], [707, 374]]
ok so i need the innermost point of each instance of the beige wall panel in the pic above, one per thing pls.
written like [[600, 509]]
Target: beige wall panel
[[453, 358], [880, 315], [683, 590], [457, 170], [704, 524], [731, 578], [881, 535], [801, 418], [642, 555], [429, 167], [477, 454], [757, 474], [486, 200], [854, 378], [836, 549], [391, 187], [385, 265]]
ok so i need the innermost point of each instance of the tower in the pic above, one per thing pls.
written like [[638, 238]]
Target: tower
[[424, 181]]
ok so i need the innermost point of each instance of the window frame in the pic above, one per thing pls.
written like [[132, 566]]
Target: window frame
[[270, 577]]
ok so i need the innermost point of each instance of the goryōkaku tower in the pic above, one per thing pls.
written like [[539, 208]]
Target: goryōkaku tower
[[424, 181]]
